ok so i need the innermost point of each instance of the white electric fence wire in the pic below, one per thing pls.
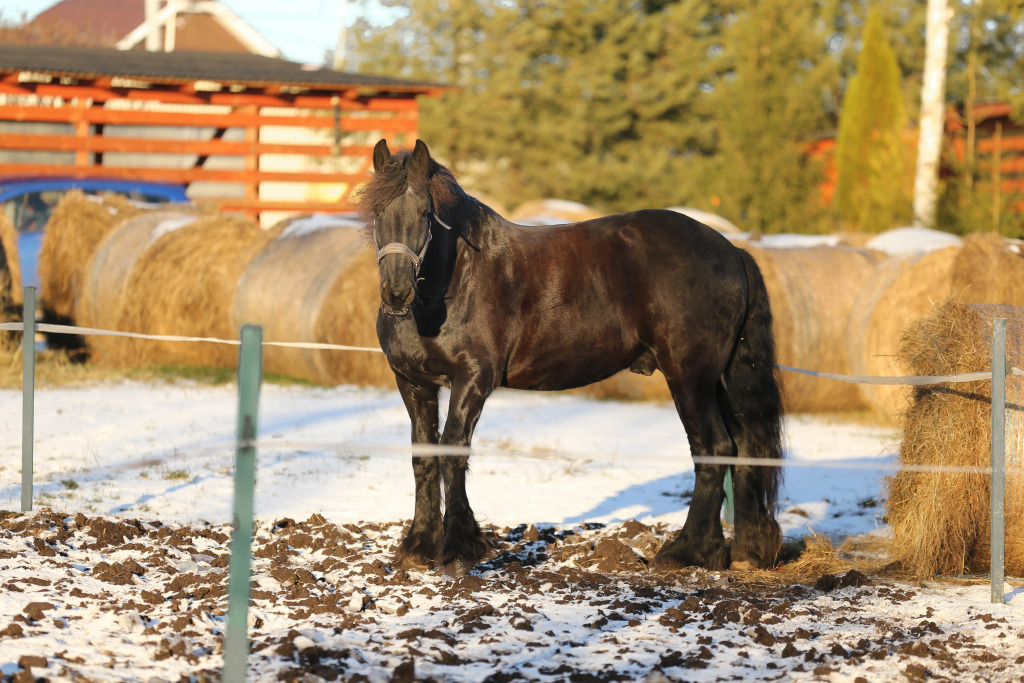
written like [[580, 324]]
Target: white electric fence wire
[[573, 459], [853, 379], [90, 331]]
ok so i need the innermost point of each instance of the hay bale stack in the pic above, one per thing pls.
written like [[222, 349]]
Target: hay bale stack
[[102, 298], [712, 220], [349, 316], [489, 201], [183, 284], [288, 287], [812, 292], [552, 212], [11, 298], [984, 268], [940, 521], [10, 267], [76, 227]]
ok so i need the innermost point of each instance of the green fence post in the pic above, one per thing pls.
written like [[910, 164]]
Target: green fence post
[[28, 396], [729, 513], [236, 640], [997, 535]]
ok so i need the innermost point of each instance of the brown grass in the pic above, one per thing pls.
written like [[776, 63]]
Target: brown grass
[[183, 285], [287, 289], [940, 521], [77, 225]]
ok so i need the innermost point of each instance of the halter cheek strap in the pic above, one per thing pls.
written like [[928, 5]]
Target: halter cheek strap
[[400, 248]]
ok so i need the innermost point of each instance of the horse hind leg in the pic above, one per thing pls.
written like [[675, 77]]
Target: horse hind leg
[[701, 541], [758, 537]]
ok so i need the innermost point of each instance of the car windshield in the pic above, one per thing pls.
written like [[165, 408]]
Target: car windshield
[[31, 211]]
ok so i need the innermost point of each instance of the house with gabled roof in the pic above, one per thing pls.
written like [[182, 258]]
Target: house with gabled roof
[[173, 25], [241, 126]]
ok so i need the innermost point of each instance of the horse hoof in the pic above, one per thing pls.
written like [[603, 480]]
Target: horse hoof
[[409, 561], [456, 568], [674, 556]]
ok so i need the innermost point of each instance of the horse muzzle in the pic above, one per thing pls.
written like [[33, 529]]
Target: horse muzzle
[[397, 300]]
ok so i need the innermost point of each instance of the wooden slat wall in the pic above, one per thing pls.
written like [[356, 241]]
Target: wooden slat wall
[[90, 107]]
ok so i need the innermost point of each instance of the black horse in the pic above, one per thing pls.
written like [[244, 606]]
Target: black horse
[[474, 302]]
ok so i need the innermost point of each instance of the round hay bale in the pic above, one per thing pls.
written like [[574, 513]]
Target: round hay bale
[[552, 212], [989, 269], [712, 220], [349, 316], [984, 269], [286, 289], [77, 225], [489, 201], [183, 284], [101, 300], [10, 267], [940, 521], [11, 298], [812, 292]]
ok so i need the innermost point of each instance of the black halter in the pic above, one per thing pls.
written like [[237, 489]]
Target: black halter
[[400, 248]]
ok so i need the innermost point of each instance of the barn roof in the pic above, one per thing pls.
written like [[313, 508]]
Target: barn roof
[[88, 63]]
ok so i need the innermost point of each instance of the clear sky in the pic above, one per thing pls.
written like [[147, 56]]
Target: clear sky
[[301, 29]]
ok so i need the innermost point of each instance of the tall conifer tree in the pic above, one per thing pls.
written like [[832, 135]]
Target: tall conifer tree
[[873, 184]]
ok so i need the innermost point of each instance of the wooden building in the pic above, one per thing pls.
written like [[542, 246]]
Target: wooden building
[[258, 134]]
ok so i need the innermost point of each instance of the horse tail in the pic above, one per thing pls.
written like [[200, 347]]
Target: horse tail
[[754, 388]]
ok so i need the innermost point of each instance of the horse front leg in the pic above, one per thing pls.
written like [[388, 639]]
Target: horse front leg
[[462, 544], [422, 543]]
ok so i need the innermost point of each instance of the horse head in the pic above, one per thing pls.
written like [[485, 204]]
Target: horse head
[[404, 225]]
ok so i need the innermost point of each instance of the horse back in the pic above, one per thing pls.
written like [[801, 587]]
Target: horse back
[[585, 300]]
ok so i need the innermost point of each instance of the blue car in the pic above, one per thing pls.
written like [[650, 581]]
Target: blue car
[[28, 203]]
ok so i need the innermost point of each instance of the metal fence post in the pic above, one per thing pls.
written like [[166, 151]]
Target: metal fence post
[[997, 537], [236, 640], [28, 395], [729, 509]]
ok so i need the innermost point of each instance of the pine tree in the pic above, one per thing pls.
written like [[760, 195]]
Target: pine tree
[[873, 185], [770, 105], [592, 101]]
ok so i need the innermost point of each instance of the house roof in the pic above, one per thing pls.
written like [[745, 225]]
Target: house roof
[[103, 21], [121, 24], [89, 63]]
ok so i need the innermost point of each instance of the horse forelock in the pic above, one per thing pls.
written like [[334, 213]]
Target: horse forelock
[[396, 179]]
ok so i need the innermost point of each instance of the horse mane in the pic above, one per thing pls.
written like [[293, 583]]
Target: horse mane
[[391, 182]]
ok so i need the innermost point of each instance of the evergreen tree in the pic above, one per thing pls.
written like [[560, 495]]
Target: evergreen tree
[[770, 105], [593, 101], [873, 185]]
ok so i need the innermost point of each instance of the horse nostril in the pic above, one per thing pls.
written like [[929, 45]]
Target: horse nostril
[[397, 299]]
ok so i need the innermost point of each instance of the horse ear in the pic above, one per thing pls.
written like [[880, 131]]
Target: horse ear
[[381, 155], [420, 162]]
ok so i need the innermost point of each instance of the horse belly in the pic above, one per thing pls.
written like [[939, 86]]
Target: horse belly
[[569, 359]]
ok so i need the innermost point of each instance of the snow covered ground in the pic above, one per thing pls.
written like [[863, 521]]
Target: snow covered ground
[[163, 453]]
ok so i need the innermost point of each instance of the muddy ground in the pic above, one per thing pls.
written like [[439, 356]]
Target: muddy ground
[[108, 599]]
